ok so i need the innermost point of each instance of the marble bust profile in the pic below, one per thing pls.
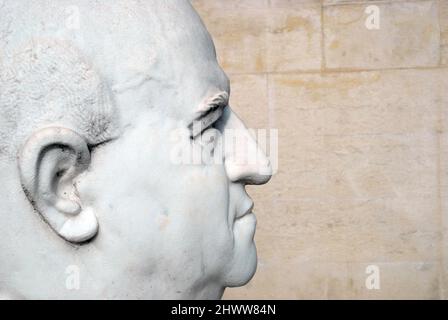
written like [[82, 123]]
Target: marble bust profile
[[90, 94]]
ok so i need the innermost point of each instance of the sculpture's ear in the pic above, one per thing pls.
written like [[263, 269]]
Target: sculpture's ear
[[49, 162]]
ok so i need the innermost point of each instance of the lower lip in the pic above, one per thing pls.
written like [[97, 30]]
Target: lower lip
[[247, 217], [244, 227]]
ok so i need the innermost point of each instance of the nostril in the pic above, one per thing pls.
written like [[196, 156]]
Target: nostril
[[257, 180], [263, 179], [256, 174]]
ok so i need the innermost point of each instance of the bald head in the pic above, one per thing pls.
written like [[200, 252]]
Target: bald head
[[155, 46], [125, 46], [122, 37]]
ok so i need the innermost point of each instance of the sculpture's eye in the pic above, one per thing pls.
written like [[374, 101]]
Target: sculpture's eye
[[206, 121], [208, 137]]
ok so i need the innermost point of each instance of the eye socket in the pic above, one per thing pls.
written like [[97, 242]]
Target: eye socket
[[205, 121]]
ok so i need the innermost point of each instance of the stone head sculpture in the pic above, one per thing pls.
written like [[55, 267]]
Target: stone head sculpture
[[88, 111]]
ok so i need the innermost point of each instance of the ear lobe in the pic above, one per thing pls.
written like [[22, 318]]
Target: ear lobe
[[49, 162]]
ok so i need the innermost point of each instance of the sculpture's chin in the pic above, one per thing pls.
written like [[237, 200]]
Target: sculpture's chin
[[244, 262]]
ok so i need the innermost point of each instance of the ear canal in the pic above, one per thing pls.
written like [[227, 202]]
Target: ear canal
[[49, 161]]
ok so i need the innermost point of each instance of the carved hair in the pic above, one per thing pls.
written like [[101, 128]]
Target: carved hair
[[45, 83]]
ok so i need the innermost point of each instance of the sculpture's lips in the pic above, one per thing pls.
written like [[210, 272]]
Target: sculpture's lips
[[247, 209]]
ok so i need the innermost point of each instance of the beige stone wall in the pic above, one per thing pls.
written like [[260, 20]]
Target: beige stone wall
[[363, 144]]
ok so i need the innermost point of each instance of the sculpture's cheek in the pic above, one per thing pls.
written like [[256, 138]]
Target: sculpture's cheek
[[165, 216]]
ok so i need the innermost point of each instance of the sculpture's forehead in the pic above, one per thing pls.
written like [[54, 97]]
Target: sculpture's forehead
[[160, 38], [161, 44]]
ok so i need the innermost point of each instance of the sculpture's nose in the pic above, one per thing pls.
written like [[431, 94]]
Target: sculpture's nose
[[245, 161]]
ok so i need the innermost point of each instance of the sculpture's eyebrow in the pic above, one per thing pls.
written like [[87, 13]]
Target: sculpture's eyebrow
[[219, 100]]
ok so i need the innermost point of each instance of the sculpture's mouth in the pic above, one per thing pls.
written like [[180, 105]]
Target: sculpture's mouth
[[246, 209]]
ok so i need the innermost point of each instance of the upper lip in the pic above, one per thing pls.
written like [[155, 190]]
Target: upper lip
[[246, 209]]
